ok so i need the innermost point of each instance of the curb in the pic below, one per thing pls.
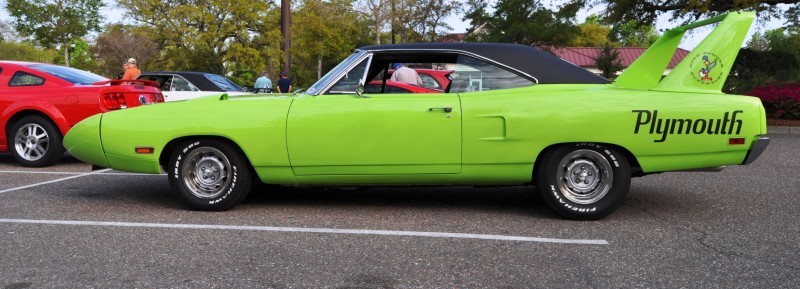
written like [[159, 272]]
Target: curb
[[783, 130]]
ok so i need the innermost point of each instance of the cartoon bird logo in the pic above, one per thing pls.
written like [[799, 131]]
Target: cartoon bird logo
[[705, 70]]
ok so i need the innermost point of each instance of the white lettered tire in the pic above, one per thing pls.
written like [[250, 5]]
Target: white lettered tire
[[583, 181], [209, 175]]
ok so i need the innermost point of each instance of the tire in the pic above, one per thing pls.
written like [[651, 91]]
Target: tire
[[601, 180], [35, 141], [209, 175]]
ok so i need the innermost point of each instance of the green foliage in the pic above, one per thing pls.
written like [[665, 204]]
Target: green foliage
[[772, 57], [233, 38], [80, 56], [608, 62], [26, 52], [522, 21], [327, 33], [646, 11], [53, 23], [592, 35], [632, 34]]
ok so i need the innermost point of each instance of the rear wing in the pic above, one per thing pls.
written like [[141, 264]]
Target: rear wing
[[703, 70], [129, 81]]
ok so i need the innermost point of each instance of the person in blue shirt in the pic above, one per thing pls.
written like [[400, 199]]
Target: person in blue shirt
[[263, 83]]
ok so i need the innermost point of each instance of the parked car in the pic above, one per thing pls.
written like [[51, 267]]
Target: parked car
[[512, 115], [40, 102], [431, 78], [397, 87], [183, 85]]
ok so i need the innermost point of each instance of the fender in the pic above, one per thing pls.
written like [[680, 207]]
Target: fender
[[43, 107]]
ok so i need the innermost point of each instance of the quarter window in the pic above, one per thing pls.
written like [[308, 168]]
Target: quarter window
[[25, 79], [349, 82], [181, 84], [472, 74]]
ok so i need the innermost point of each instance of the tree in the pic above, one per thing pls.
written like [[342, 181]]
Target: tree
[[646, 11], [328, 33], [431, 17], [80, 56], [633, 34], [55, 22], [608, 62], [219, 36], [591, 35], [478, 18], [376, 12], [120, 42], [26, 52], [526, 22]]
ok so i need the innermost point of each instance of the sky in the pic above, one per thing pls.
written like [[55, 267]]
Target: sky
[[114, 15]]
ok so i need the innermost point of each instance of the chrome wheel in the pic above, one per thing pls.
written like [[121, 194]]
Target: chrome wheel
[[584, 176], [31, 142], [207, 172]]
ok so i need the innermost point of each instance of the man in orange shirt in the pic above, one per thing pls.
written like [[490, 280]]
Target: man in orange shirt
[[133, 70]]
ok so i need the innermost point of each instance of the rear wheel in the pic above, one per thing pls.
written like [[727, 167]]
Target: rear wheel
[[209, 175], [583, 181], [35, 141]]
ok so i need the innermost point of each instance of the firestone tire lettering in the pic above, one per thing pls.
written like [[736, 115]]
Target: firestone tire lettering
[[209, 175], [584, 181]]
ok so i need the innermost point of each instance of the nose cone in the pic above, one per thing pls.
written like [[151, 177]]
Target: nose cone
[[83, 141]]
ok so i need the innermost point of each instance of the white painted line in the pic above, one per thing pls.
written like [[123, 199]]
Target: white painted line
[[72, 173], [311, 230], [54, 181]]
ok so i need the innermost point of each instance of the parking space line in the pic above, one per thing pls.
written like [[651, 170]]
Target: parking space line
[[54, 181], [310, 230], [73, 173]]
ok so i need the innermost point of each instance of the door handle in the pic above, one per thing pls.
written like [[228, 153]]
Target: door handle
[[445, 109]]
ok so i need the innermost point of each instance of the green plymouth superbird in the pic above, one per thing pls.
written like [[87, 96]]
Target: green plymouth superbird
[[511, 115]]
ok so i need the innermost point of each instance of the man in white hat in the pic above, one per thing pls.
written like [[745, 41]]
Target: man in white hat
[[133, 70]]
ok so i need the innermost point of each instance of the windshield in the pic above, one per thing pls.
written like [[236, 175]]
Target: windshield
[[74, 76], [223, 83], [336, 71]]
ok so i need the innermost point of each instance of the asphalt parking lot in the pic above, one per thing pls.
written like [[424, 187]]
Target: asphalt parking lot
[[69, 227]]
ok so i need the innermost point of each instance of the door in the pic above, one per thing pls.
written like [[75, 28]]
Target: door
[[383, 134]]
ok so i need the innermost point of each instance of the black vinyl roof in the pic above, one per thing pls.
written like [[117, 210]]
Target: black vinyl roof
[[545, 67], [198, 79]]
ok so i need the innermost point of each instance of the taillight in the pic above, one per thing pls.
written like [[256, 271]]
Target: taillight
[[114, 100], [159, 97]]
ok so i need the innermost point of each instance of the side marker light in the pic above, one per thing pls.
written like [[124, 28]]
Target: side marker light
[[736, 141], [144, 150]]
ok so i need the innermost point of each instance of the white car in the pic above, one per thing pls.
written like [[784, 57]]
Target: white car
[[182, 85]]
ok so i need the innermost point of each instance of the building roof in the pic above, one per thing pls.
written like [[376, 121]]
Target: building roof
[[585, 56], [546, 68]]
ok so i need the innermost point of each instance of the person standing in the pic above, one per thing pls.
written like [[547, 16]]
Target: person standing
[[405, 74], [263, 83], [124, 68], [284, 84], [133, 70]]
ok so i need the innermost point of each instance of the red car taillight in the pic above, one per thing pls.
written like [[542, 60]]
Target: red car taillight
[[114, 100]]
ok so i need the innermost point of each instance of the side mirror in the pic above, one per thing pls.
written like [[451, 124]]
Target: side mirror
[[360, 90]]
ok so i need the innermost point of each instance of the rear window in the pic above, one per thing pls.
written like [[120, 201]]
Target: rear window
[[74, 76], [223, 82]]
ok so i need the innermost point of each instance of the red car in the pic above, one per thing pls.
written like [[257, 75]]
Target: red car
[[432, 78], [40, 102], [397, 87]]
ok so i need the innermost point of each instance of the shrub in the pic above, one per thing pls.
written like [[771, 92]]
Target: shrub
[[780, 100]]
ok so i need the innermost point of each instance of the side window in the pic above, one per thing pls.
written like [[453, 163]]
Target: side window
[[472, 74], [181, 84], [25, 79], [349, 82], [429, 82]]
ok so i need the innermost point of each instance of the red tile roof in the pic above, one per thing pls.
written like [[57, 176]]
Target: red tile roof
[[585, 56]]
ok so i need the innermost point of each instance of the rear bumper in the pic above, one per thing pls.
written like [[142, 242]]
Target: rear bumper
[[758, 147]]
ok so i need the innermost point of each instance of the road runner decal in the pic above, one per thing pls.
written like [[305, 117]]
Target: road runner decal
[[652, 124]]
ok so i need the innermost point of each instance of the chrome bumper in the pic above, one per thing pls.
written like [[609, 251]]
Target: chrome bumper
[[755, 152]]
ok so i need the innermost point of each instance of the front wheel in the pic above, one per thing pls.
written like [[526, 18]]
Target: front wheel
[[583, 181], [35, 141], [209, 175]]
